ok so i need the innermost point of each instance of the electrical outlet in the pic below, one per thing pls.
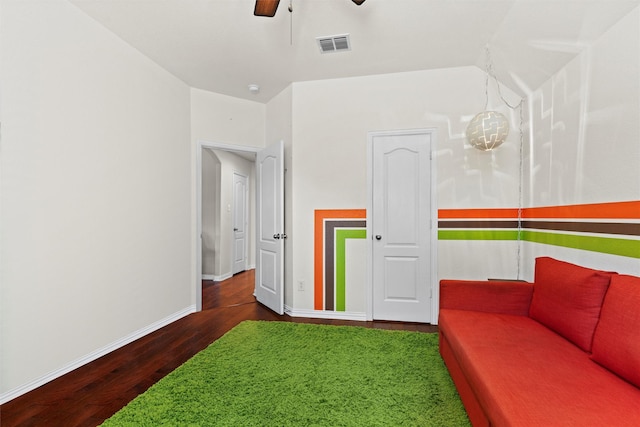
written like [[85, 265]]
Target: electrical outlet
[[301, 285]]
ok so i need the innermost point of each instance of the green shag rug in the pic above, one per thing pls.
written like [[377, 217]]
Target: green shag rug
[[294, 374]]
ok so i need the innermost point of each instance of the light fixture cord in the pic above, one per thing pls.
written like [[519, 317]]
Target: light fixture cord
[[486, 81], [520, 105], [490, 73], [520, 184]]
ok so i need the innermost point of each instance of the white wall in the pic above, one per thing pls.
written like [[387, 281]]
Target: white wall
[[586, 127], [227, 120], [95, 201], [586, 137], [330, 123]]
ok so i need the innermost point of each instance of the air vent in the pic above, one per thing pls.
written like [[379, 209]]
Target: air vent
[[337, 43]]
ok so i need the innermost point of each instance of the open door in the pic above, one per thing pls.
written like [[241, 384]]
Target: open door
[[270, 227]]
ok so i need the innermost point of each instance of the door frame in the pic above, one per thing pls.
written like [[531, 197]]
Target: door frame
[[435, 290], [201, 145]]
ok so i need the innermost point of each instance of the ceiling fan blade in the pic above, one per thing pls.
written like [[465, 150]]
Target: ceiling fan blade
[[266, 8], [358, 2]]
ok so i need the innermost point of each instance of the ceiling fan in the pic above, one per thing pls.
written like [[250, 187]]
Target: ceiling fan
[[268, 7]]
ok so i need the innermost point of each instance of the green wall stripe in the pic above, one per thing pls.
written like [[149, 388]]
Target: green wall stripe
[[607, 245], [342, 234], [477, 235]]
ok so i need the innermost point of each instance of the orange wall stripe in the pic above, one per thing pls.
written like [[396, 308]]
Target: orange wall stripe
[[616, 210], [317, 260], [477, 213], [318, 241], [613, 210]]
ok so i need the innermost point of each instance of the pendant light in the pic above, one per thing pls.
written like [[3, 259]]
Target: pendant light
[[488, 129]]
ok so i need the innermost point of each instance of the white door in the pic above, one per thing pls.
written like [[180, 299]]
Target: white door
[[270, 227], [240, 221], [400, 226]]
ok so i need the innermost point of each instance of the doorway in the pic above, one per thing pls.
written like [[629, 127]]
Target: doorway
[[401, 226], [265, 207], [216, 164]]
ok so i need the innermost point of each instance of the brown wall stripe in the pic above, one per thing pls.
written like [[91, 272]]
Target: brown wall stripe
[[623, 228], [478, 224], [620, 228], [329, 260]]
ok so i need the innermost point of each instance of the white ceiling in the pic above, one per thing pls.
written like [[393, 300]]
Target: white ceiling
[[218, 45]]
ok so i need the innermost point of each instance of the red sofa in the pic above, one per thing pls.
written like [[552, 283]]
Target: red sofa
[[562, 351]]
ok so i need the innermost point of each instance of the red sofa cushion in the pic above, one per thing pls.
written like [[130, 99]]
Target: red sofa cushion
[[616, 342], [492, 296], [567, 298], [523, 374]]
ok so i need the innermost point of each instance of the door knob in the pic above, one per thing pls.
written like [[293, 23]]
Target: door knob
[[378, 237], [276, 236], [235, 229]]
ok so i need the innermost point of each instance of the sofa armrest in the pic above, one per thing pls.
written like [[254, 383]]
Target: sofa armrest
[[492, 296]]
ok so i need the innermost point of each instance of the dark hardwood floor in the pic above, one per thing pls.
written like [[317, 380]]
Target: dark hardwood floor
[[92, 393]]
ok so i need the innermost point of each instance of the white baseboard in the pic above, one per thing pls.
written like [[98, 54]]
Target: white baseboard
[[32, 385], [224, 276], [324, 314], [216, 278]]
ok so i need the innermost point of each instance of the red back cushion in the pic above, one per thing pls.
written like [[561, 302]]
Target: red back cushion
[[616, 342], [567, 299]]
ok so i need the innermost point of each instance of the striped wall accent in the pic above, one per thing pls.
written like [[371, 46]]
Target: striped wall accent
[[611, 228], [331, 230]]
